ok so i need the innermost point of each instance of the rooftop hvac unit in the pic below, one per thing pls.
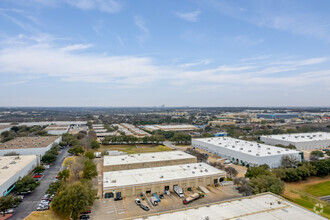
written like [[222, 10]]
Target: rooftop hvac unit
[[193, 172], [241, 148], [5, 167], [257, 154], [283, 138], [200, 165], [195, 167], [113, 181], [13, 162], [161, 177], [269, 153], [233, 146], [206, 170], [268, 148], [249, 150]]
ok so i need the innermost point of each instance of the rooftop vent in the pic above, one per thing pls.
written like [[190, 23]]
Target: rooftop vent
[[249, 150], [13, 162], [161, 177], [5, 167], [241, 148], [269, 153], [206, 170], [258, 155], [193, 172]]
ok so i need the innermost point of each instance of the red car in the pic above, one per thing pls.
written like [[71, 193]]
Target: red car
[[37, 176]]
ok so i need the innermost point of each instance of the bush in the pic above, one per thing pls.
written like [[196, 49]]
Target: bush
[[27, 183], [76, 150], [267, 183]]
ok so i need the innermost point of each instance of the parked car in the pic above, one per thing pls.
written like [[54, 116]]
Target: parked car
[[24, 193], [84, 217], [144, 207], [226, 162], [37, 176], [8, 211], [117, 198], [161, 196], [137, 201]]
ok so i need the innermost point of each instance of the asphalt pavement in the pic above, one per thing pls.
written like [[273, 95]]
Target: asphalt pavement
[[30, 202]]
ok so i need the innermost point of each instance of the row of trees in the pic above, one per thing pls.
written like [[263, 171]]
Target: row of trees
[[74, 192], [123, 139], [51, 155], [21, 131]]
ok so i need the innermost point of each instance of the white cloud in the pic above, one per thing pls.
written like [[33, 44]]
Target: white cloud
[[141, 24], [110, 6], [189, 16], [41, 56]]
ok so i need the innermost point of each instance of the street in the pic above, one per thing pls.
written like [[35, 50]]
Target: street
[[30, 202]]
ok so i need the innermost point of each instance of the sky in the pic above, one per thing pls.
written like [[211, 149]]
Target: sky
[[154, 52]]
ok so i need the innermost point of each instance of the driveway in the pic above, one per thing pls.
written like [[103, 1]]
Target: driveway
[[30, 202]]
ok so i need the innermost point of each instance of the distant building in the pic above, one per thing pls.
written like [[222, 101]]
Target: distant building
[[221, 134], [29, 145], [302, 141], [146, 160], [182, 127], [278, 116], [221, 122], [14, 167], [257, 207], [57, 129], [244, 152]]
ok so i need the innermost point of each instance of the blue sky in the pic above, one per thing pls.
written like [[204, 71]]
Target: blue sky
[[154, 52]]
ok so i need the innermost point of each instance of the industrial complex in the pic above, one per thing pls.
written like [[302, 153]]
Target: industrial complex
[[181, 127], [29, 145], [302, 141], [14, 167], [260, 206], [159, 179], [146, 160], [244, 152]]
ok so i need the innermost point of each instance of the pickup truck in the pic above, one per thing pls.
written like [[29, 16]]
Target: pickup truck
[[193, 197]]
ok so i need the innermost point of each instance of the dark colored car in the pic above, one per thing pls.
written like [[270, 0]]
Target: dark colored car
[[144, 207], [84, 217], [161, 196], [118, 198]]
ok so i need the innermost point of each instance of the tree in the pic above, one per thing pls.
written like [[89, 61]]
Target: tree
[[77, 167], [267, 183], [289, 161], [64, 174], [6, 202], [49, 158], [317, 153], [89, 154], [231, 171], [39, 169], [74, 199], [89, 170], [27, 183], [76, 150], [328, 152], [244, 184], [53, 187], [95, 144], [11, 154], [256, 171]]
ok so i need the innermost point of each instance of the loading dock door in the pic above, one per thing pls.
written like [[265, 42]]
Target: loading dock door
[[167, 188], [215, 181], [108, 195], [118, 194]]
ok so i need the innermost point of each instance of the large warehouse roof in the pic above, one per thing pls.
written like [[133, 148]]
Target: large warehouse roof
[[301, 137], [183, 127], [157, 174], [28, 142], [261, 206], [247, 147], [145, 158], [10, 165]]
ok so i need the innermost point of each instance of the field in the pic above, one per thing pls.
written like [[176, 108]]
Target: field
[[134, 149], [306, 193], [44, 215]]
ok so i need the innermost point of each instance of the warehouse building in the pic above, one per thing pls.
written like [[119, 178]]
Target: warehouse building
[[243, 152], [57, 129], [302, 141], [136, 131], [14, 167], [146, 160], [183, 127], [256, 207], [29, 145], [159, 179]]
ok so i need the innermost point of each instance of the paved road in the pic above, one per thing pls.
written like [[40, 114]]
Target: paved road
[[30, 202], [169, 144]]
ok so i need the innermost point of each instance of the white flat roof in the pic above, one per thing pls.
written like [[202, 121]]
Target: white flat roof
[[170, 127], [13, 165], [301, 137], [145, 158], [125, 178], [247, 147], [258, 207]]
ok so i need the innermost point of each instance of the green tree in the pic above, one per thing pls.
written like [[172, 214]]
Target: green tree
[[74, 199], [317, 153], [6, 202], [53, 187], [267, 183], [289, 161], [89, 154], [95, 144], [76, 150], [39, 169], [257, 171], [89, 170], [49, 158], [64, 174], [27, 183]]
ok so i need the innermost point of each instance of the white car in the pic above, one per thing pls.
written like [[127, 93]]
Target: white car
[[226, 162], [137, 201]]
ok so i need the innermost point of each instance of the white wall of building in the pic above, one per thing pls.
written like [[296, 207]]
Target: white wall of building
[[303, 145], [272, 161]]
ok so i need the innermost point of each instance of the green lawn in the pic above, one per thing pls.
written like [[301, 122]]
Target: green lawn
[[321, 189], [132, 149]]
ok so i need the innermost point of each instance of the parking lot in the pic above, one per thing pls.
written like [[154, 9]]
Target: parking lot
[[110, 209]]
